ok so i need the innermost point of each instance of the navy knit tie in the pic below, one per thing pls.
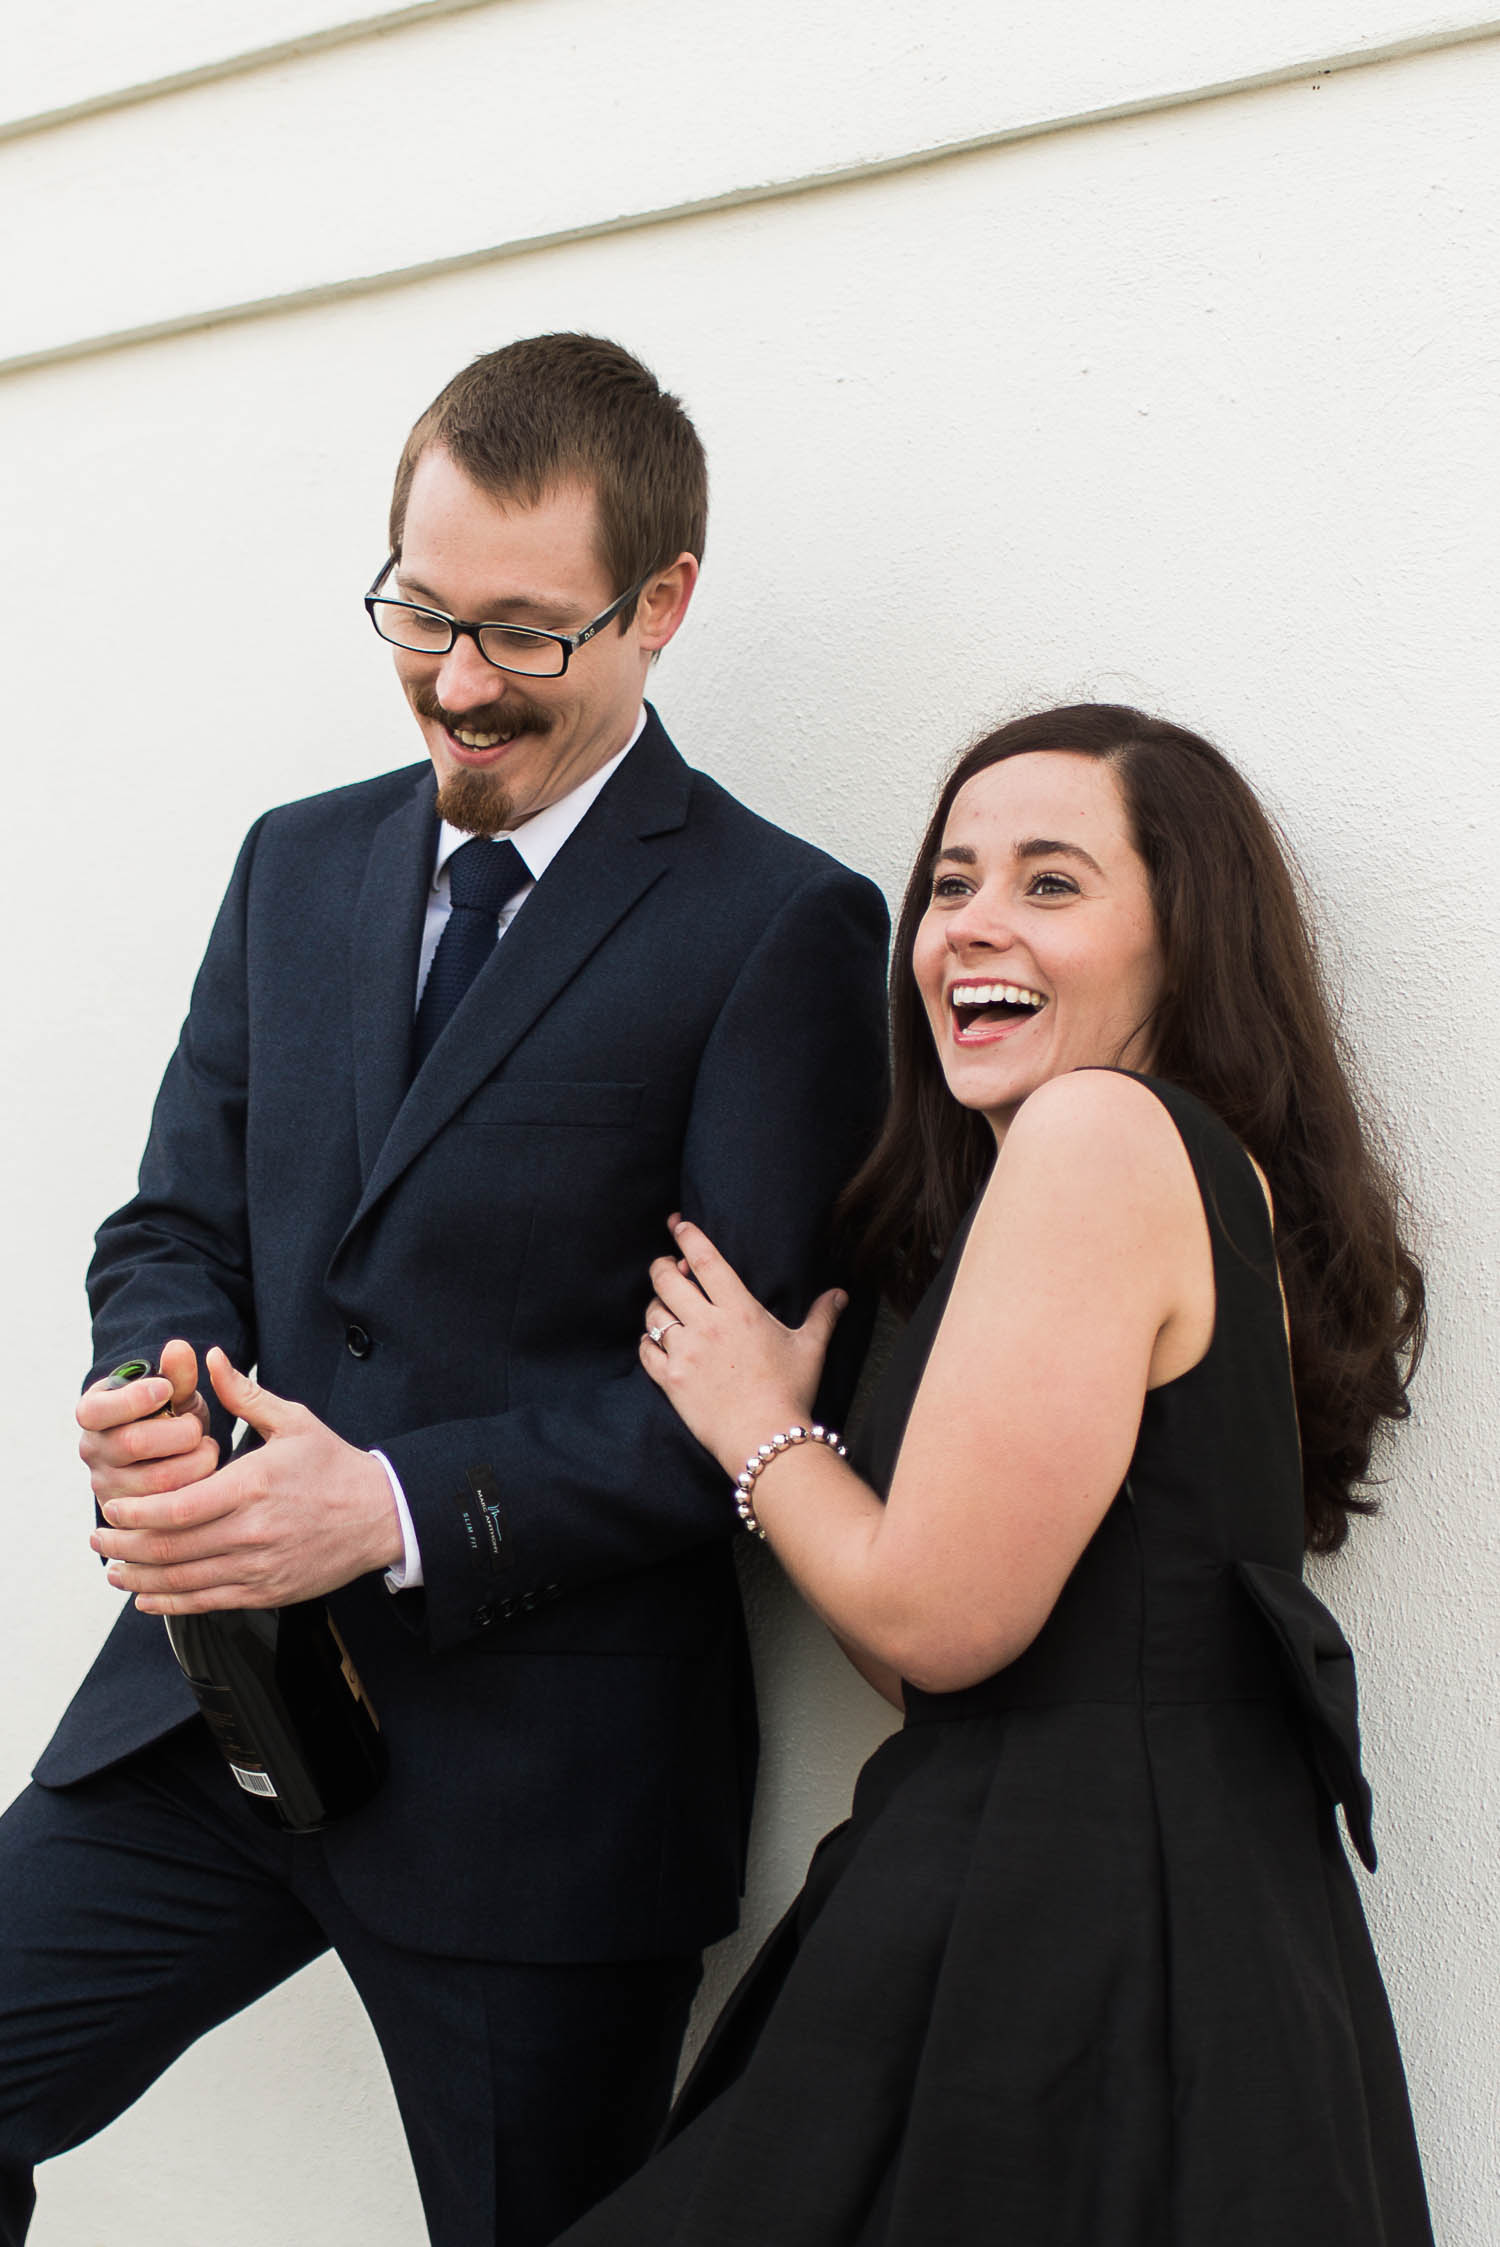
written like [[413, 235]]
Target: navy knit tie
[[483, 877]]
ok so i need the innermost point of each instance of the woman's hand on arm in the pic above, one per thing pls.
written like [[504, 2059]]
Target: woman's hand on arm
[[733, 1372], [737, 1376]]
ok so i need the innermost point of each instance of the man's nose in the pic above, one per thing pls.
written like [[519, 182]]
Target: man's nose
[[465, 681]]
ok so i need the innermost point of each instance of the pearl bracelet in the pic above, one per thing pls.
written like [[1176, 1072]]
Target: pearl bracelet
[[745, 1480]]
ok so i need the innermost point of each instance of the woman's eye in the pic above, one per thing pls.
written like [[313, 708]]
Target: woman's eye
[[1051, 885], [950, 885]]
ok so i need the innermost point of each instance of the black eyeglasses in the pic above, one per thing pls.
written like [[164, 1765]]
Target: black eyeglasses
[[510, 647]]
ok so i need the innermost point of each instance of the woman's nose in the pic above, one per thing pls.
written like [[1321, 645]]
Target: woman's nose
[[980, 925]]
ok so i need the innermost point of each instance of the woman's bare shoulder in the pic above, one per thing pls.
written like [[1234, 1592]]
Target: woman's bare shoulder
[[1094, 1216], [1094, 1126]]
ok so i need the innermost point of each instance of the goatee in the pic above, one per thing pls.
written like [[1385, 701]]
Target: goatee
[[476, 802], [477, 799]]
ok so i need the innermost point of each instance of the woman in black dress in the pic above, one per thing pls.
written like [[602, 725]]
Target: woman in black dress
[[1086, 1967]]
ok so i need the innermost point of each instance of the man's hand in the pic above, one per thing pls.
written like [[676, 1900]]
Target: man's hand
[[131, 1454], [300, 1516]]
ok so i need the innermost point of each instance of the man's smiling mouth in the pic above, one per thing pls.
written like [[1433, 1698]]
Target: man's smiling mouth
[[469, 740], [487, 727]]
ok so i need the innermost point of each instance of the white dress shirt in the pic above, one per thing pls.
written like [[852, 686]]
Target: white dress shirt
[[539, 842]]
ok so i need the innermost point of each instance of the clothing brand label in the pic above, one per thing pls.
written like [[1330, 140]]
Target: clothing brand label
[[479, 1507]]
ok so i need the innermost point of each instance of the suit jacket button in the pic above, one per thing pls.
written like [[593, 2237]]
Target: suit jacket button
[[357, 1342], [484, 1615]]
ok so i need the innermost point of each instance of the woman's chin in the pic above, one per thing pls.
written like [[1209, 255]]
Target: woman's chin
[[985, 1083]]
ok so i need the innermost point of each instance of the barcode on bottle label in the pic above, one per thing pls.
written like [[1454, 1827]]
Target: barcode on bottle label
[[253, 1782]]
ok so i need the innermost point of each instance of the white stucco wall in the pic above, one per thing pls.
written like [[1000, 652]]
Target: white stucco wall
[[1192, 405]]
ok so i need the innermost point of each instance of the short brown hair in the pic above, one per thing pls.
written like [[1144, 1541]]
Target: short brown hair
[[556, 409]]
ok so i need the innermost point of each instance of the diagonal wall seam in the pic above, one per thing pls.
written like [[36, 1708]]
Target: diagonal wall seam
[[239, 65], [1302, 70]]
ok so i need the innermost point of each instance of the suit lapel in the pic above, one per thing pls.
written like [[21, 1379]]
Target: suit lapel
[[386, 945], [604, 867]]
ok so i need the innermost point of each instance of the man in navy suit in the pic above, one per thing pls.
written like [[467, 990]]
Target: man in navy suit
[[410, 1161]]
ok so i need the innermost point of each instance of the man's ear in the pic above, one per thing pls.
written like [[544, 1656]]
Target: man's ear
[[664, 602]]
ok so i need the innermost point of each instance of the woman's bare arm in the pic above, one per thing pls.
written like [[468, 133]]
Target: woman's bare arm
[[1086, 1279]]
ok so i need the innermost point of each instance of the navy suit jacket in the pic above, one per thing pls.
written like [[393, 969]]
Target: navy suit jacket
[[687, 1012]]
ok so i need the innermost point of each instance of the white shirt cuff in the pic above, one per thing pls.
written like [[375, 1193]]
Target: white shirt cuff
[[406, 1576]]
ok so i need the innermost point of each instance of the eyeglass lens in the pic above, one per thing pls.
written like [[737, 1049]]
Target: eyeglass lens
[[511, 646]]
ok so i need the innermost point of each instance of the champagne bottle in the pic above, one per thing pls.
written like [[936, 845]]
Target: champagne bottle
[[282, 1698]]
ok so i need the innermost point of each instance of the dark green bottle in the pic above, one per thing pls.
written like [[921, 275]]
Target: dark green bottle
[[279, 1691]]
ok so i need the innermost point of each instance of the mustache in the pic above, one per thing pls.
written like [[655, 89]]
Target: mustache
[[515, 715]]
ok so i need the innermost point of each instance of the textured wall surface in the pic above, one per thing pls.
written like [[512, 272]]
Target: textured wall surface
[[1040, 355]]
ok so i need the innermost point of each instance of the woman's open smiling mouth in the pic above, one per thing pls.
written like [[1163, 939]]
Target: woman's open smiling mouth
[[983, 1011]]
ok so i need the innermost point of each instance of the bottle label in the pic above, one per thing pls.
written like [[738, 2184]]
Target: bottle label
[[217, 1705], [352, 1677], [253, 1782]]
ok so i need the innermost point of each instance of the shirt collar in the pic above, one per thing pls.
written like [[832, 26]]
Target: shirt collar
[[542, 836]]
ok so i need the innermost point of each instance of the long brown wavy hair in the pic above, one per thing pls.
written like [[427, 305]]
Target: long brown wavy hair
[[1244, 1023]]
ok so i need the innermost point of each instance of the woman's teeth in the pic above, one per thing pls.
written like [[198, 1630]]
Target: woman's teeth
[[994, 994]]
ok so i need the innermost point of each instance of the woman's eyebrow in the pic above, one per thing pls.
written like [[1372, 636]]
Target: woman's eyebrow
[[1035, 846], [1047, 846]]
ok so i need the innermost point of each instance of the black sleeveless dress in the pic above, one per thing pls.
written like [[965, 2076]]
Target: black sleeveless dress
[[1086, 1966]]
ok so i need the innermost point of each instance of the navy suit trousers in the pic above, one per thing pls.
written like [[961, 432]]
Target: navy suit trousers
[[147, 1904]]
